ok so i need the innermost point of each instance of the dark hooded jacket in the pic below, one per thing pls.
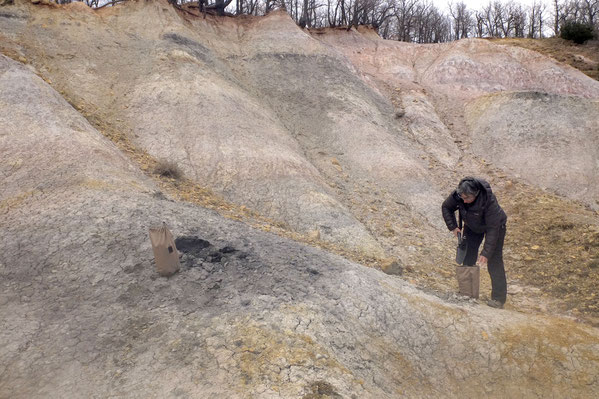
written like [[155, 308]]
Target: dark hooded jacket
[[484, 215]]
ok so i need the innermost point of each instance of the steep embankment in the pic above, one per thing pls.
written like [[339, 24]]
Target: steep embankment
[[250, 314], [338, 138], [550, 139], [297, 128], [525, 122], [241, 108], [584, 57], [455, 74]]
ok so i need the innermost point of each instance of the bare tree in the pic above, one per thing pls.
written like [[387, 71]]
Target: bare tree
[[557, 10], [572, 11], [461, 18], [541, 19], [433, 26], [517, 16], [504, 18], [303, 22], [591, 10], [490, 20], [404, 14], [412, 20]]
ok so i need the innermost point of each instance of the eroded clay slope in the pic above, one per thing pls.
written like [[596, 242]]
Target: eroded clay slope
[[257, 110], [84, 314], [453, 77], [550, 140], [46, 145], [250, 314]]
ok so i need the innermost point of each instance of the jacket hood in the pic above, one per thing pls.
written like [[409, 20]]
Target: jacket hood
[[483, 186]]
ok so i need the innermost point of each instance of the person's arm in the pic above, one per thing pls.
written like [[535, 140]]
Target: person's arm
[[448, 208], [493, 220]]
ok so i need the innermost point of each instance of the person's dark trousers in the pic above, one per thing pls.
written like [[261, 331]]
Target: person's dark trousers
[[495, 261]]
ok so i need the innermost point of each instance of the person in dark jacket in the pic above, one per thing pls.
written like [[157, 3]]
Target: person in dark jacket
[[483, 218]]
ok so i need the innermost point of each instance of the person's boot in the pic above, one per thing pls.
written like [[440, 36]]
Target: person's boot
[[495, 304]]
